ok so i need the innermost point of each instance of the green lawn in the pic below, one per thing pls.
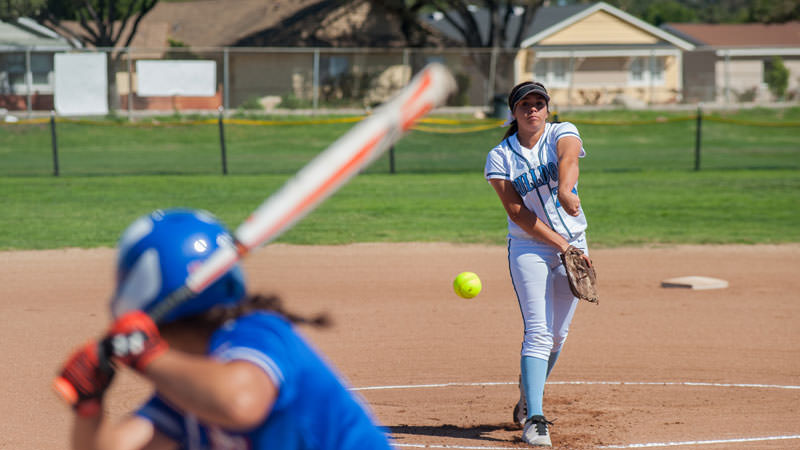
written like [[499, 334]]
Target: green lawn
[[625, 208], [624, 141], [637, 182]]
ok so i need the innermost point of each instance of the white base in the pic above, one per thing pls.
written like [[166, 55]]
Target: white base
[[695, 282]]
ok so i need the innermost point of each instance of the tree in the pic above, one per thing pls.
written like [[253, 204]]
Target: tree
[[777, 77], [708, 11], [461, 15], [775, 11], [408, 14], [505, 28], [102, 24], [668, 11]]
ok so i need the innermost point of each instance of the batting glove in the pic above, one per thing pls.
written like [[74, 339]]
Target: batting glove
[[134, 340], [84, 379]]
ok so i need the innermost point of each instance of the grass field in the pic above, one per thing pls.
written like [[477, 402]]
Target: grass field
[[637, 183], [621, 141]]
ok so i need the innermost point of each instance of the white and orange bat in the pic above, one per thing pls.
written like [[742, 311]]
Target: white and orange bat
[[315, 182], [320, 178]]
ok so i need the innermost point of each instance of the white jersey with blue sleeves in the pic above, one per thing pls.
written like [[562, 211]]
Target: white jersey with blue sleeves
[[313, 411], [534, 174]]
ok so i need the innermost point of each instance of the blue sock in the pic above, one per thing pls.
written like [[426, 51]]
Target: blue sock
[[534, 373], [552, 362]]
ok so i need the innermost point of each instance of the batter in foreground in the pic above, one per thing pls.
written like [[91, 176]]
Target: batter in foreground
[[229, 370], [534, 171]]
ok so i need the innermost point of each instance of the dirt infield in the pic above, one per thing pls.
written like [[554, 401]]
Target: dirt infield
[[711, 369]]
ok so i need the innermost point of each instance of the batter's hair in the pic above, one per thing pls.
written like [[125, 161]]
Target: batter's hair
[[210, 320], [517, 93]]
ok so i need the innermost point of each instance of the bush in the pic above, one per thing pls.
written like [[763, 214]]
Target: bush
[[461, 96], [747, 95], [777, 77], [252, 104], [291, 101]]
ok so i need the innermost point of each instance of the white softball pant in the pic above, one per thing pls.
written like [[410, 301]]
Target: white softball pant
[[544, 296]]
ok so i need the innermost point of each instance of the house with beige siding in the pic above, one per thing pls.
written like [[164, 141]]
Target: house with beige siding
[[602, 55], [730, 61], [595, 54]]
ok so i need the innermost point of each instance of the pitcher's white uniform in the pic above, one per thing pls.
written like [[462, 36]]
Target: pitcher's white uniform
[[539, 279]]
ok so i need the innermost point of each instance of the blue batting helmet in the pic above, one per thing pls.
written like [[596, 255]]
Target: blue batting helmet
[[158, 251]]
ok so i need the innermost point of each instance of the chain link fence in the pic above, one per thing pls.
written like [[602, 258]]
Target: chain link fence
[[353, 80], [264, 79], [645, 141]]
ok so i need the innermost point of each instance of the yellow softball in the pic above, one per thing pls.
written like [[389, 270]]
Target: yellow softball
[[467, 284]]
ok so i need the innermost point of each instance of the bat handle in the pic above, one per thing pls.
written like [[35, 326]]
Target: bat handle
[[65, 390]]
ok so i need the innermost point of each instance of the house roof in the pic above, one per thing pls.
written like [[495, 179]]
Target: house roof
[[219, 23], [332, 23], [552, 19], [28, 34], [738, 35], [277, 23], [205, 23], [154, 35]]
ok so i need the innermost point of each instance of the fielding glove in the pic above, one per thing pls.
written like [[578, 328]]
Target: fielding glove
[[581, 274]]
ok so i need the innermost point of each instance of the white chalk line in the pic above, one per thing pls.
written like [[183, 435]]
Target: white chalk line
[[619, 383], [709, 442], [646, 445], [615, 383], [454, 446]]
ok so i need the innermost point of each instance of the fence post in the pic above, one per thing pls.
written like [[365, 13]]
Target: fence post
[[222, 142], [130, 84], [315, 87], [226, 78], [492, 72], [391, 160], [698, 138], [54, 142], [29, 81]]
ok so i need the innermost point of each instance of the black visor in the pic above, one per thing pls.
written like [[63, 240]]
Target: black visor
[[523, 91]]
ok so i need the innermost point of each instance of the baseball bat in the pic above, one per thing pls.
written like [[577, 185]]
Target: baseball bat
[[314, 183], [320, 178]]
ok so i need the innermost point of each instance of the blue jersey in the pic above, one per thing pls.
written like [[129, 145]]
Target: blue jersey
[[313, 409]]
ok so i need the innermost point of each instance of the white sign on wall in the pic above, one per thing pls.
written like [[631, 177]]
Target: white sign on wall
[[182, 78], [81, 84]]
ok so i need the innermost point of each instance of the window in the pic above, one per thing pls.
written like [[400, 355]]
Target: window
[[334, 66], [558, 70], [552, 71], [41, 66], [14, 66], [13, 72], [437, 59], [637, 70], [657, 70], [540, 69], [645, 70]]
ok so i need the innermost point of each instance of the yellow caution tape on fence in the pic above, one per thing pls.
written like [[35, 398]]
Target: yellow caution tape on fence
[[293, 122], [631, 122], [457, 130], [750, 122], [28, 122], [457, 125]]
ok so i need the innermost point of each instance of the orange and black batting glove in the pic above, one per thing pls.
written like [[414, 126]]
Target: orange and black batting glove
[[134, 340], [84, 379]]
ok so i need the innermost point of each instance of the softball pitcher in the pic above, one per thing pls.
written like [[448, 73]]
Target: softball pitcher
[[229, 370], [534, 171]]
